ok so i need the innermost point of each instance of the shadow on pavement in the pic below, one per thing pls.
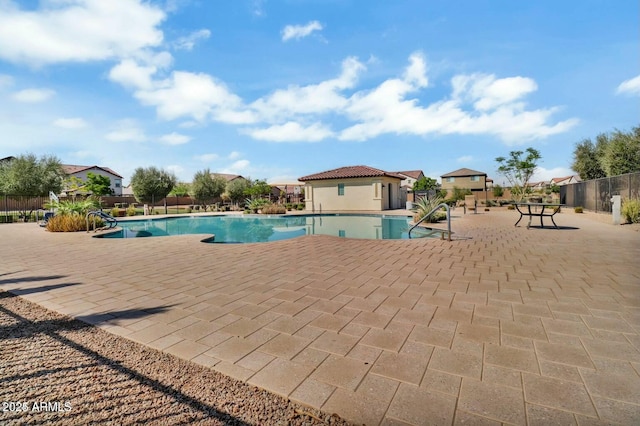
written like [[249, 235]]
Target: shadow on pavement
[[45, 362]]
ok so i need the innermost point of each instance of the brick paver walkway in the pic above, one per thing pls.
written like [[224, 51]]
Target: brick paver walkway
[[504, 324]]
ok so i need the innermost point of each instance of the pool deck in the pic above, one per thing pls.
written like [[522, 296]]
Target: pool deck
[[501, 325]]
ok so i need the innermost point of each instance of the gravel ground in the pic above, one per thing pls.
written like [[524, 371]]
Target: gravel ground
[[57, 370]]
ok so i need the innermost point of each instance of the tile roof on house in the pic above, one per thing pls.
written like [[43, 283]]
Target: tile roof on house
[[350, 172], [464, 172], [228, 177], [73, 168], [562, 179], [414, 174], [7, 159]]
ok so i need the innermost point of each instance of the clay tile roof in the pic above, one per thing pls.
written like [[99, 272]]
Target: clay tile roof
[[560, 179], [464, 172], [414, 174], [73, 168], [228, 177], [350, 172]]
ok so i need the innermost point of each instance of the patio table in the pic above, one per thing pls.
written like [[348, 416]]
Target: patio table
[[546, 210]]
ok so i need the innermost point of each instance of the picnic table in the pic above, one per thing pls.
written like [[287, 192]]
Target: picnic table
[[540, 210]]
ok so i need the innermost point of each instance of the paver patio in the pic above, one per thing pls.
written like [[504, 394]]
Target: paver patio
[[502, 325]]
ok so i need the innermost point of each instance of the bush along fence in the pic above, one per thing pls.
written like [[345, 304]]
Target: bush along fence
[[595, 195]]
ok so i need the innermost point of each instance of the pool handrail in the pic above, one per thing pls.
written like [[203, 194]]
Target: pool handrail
[[435, 209], [111, 221]]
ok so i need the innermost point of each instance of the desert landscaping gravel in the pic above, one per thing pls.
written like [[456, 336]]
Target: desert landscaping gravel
[[58, 370]]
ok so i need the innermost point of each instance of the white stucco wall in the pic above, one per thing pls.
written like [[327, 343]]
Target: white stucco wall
[[116, 182]]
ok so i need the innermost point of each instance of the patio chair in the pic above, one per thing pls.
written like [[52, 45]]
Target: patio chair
[[45, 219]]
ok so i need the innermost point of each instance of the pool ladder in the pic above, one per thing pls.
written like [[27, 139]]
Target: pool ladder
[[111, 221], [426, 216]]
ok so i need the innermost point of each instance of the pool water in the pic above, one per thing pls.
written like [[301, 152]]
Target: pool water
[[254, 228]]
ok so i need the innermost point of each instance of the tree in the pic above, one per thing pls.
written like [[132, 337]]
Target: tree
[[258, 189], [236, 189], [151, 184], [28, 176], [612, 154], [73, 184], [622, 154], [459, 193], [518, 170], [98, 185], [586, 161], [498, 191], [425, 184], [206, 187], [181, 189]]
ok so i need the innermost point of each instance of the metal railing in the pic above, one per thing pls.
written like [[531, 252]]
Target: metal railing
[[435, 209], [111, 221]]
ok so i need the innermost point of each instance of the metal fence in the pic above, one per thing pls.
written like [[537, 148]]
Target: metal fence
[[595, 195]]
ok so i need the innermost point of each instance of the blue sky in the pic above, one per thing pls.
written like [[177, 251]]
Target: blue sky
[[279, 89]]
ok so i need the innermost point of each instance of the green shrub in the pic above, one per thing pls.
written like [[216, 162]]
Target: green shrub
[[300, 206], [424, 206], [131, 211], [256, 204], [631, 210], [578, 209], [115, 211]]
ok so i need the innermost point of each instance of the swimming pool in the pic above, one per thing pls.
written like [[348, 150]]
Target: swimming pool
[[257, 228]]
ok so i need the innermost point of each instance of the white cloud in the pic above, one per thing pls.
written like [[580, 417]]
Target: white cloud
[[126, 131], [70, 123], [299, 31], [546, 175], [197, 96], [257, 8], [291, 132], [188, 42], [175, 169], [233, 155], [207, 158], [132, 75], [487, 92], [77, 30], [174, 139], [465, 159], [497, 109], [630, 87], [478, 104], [33, 95], [237, 168], [312, 99]]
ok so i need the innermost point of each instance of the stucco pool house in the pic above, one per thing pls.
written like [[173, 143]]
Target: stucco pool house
[[353, 188]]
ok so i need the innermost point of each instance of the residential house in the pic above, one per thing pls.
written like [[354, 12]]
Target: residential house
[[228, 177], [410, 177], [561, 181], [290, 191], [353, 188], [538, 186], [7, 159], [81, 172], [464, 179]]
